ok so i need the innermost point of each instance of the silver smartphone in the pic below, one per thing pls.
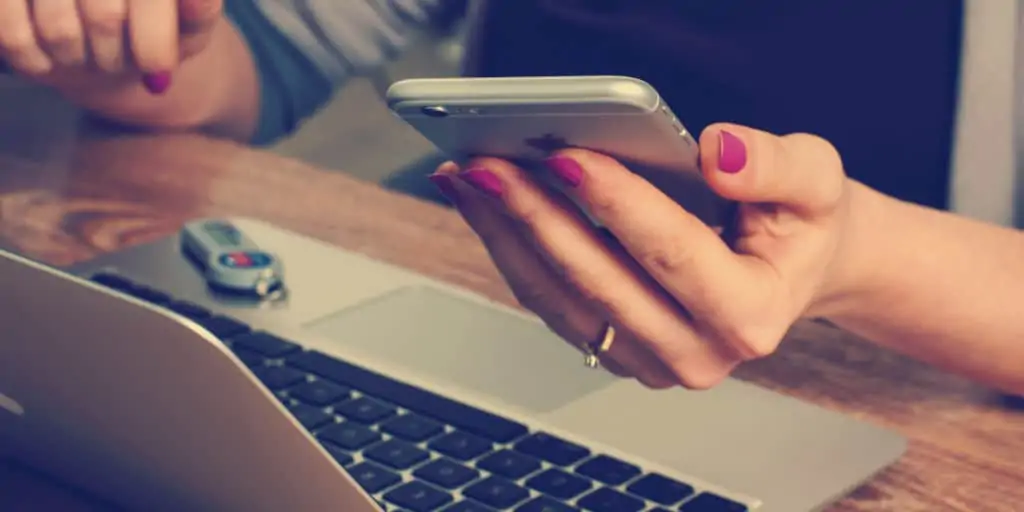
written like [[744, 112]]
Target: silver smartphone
[[526, 118]]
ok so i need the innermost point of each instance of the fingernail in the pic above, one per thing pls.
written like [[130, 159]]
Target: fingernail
[[732, 153], [566, 169], [157, 83], [483, 180], [444, 184]]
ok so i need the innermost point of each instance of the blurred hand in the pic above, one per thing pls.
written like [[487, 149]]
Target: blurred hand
[[65, 42], [688, 304]]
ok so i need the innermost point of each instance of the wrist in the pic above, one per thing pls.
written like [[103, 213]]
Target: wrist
[[854, 276]]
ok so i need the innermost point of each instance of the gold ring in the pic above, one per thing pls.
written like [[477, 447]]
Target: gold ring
[[594, 350]]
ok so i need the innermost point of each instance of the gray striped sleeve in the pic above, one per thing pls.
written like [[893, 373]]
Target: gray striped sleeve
[[348, 37]]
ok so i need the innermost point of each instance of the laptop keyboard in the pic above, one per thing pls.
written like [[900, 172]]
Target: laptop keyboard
[[416, 451]]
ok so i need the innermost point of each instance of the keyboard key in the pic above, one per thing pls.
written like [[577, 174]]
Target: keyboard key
[[708, 502], [509, 464], [552, 449], [418, 497], [250, 358], [545, 504], [372, 477], [151, 296], [397, 453], [608, 470], [660, 489], [461, 445], [344, 458], [276, 378], [125, 285], [189, 310], [365, 410], [446, 473], [348, 435], [457, 414], [609, 500], [114, 281], [320, 393], [267, 344], [311, 417], [496, 492], [469, 506], [223, 327], [412, 427], [558, 484]]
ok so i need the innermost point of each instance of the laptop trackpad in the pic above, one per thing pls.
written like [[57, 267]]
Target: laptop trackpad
[[459, 342]]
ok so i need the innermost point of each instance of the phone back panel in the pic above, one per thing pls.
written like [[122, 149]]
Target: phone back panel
[[526, 119]]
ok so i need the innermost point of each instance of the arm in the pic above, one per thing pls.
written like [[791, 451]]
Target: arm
[[270, 64], [935, 286]]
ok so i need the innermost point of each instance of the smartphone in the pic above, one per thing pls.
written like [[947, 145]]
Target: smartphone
[[526, 118]]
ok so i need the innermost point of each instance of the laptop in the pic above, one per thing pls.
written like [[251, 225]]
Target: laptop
[[370, 387]]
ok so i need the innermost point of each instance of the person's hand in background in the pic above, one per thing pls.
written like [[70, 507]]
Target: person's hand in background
[[688, 304], [150, 64], [70, 43]]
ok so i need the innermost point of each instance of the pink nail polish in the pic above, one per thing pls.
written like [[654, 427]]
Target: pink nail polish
[[732, 153], [567, 169], [157, 83], [445, 186], [483, 180]]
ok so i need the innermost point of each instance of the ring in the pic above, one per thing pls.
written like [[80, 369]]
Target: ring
[[594, 350]]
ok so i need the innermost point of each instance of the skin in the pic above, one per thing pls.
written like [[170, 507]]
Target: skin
[[688, 303], [96, 53]]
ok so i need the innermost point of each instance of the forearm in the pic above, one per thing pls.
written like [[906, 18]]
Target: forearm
[[938, 287], [216, 91]]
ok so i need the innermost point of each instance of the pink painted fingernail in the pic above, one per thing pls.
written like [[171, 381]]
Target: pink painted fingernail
[[483, 180], [444, 184], [567, 169], [157, 83], [732, 153]]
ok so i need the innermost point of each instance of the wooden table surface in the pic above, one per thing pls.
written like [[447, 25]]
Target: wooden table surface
[[73, 197]]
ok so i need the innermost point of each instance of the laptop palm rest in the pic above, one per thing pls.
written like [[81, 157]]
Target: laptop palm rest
[[504, 357]]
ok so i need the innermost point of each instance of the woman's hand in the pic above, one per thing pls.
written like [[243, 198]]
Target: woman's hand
[[63, 42], [687, 303]]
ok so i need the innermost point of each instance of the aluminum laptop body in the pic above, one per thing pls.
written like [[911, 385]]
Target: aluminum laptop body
[[122, 395]]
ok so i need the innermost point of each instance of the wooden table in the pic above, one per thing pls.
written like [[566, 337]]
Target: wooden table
[[95, 195]]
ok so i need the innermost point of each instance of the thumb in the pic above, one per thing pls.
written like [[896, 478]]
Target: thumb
[[801, 172], [199, 16]]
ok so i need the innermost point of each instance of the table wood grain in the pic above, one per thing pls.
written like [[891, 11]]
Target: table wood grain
[[101, 194]]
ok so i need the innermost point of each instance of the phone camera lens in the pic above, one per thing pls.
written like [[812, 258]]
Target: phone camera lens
[[435, 111]]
